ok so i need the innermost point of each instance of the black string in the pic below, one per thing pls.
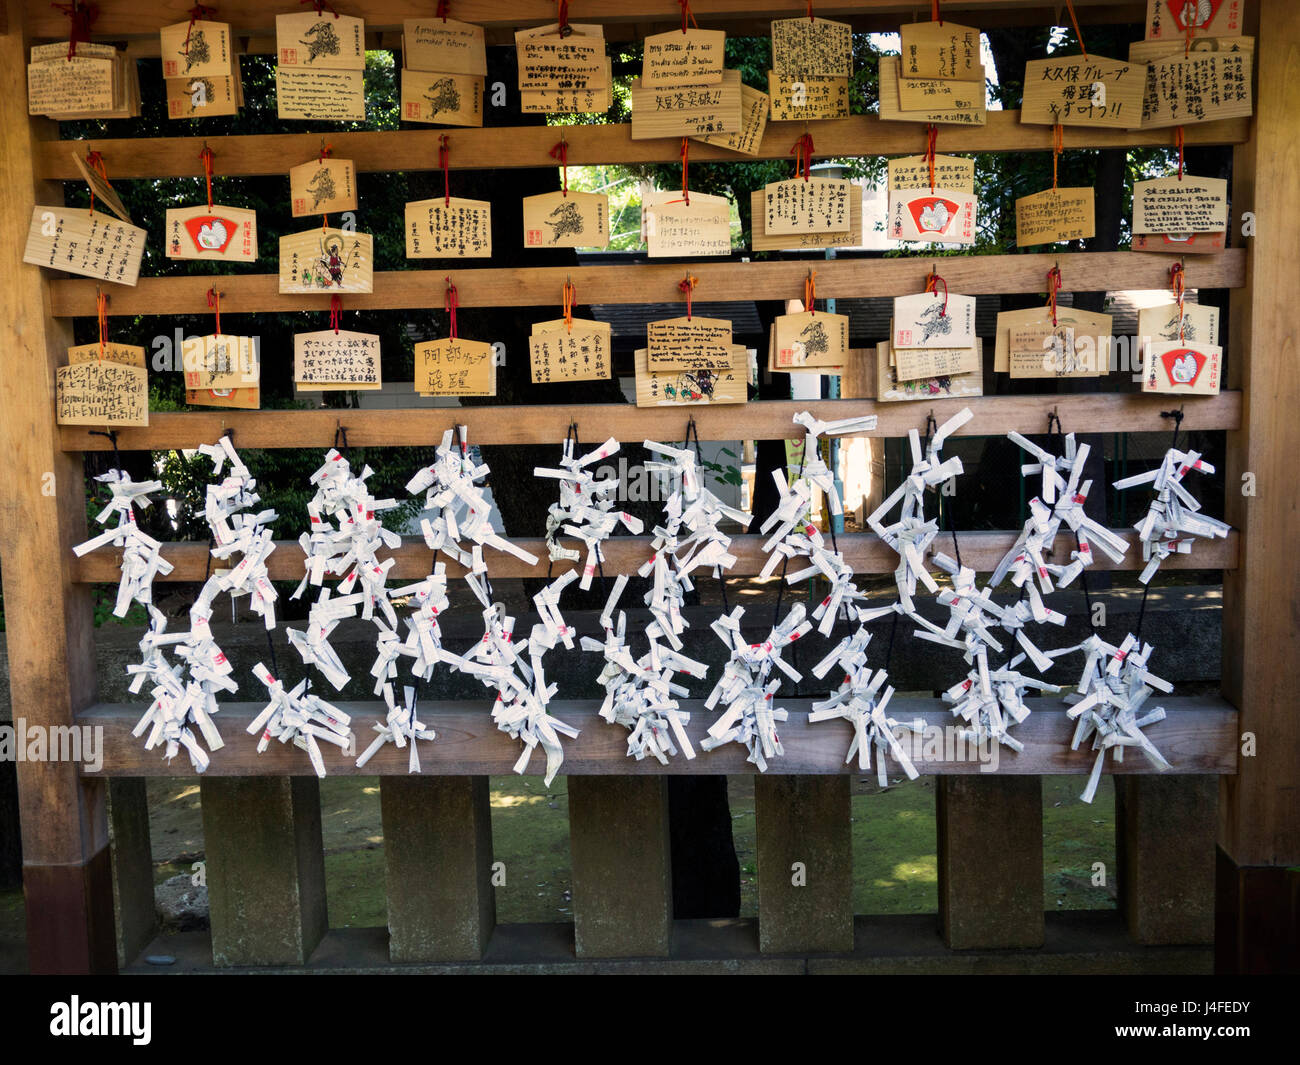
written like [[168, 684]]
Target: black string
[[341, 431]]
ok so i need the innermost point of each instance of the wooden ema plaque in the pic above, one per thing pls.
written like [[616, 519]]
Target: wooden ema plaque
[[688, 110], [566, 220], [443, 46], [330, 361], [442, 99], [92, 245], [455, 366], [581, 353], [762, 241], [1078, 91], [686, 388], [224, 233], [449, 229], [323, 186], [327, 261]]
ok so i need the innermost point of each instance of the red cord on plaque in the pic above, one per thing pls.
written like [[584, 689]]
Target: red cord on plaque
[[561, 152], [932, 283], [686, 286], [444, 161], [570, 297], [1177, 281], [803, 153], [214, 301], [1053, 287], [336, 312], [450, 301]]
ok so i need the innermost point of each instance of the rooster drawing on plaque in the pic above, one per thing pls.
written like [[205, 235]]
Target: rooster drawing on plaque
[[566, 219], [321, 40], [934, 217], [934, 322], [443, 96], [196, 50], [322, 187], [1197, 12]]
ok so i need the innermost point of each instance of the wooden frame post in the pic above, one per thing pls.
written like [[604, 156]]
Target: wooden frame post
[[1259, 814], [66, 876]]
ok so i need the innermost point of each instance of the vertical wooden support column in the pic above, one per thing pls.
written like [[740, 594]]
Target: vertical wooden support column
[[438, 857], [622, 872], [266, 869], [1164, 839], [805, 864], [1259, 812], [66, 877], [133, 899], [990, 861]]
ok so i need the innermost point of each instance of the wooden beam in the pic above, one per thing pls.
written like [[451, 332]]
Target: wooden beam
[[1129, 412], [639, 283], [864, 552], [66, 868], [1259, 816], [1198, 736], [128, 20], [497, 147]]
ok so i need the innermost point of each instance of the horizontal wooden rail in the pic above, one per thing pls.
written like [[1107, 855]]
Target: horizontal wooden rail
[[128, 20], [529, 146], [1199, 736], [1128, 412], [624, 554], [645, 282]]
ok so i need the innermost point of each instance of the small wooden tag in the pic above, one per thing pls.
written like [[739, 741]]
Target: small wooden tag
[[919, 94], [80, 85], [686, 110], [1199, 324], [557, 353], [1094, 329], [101, 189], [224, 233], [455, 366], [548, 61], [1055, 215], [1079, 91], [320, 95], [762, 241], [195, 50], [1180, 243], [323, 186], [923, 321], [123, 354], [320, 41], [444, 99], [327, 260], [747, 140], [1181, 367], [572, 220], [910, 172], [237, 398], [944, 216], [889, 389], [695, 57], [810, 338], [676, 388], [101, 393], [1192, 205], [693, 343], [797, 100], [892, 111], [941, 50], [220, 362], [1202, 86], [914, 364], [92, 245], [328, 360], [446, 46], [449, 229], [202, 97], [702, 227], [818, 205], [804, 48]]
